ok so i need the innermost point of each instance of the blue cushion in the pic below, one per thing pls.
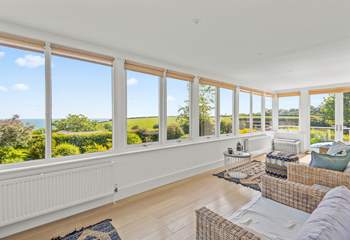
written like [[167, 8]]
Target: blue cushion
[[337, 163]]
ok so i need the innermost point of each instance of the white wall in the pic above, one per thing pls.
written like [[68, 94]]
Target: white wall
[[132, 173]]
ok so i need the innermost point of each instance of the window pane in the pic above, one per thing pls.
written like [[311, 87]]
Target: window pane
[[256, 113], [268, 113], [81, 107], [225, 111], [346, 117], [22, 101], [142, 107], [244, 112], [207, 94], [322, 118], [288, 113], [178, 108]]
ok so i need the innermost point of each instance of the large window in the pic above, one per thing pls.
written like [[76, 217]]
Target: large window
[[288, 113], [22, 105], [81, 107], [226, 103], [178, 108], [57, 101], [244, 112], [142, 107], [207, 103], [268, 113], [256, 112], [322, 118]]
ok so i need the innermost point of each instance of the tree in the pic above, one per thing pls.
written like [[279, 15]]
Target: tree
[[174, 131], [206, 105], [75, 123], [327, 111], [14, 133]]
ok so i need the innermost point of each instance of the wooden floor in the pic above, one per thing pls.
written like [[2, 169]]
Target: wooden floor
[[163, 213]]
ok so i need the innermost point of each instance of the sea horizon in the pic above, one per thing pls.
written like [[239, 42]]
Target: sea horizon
[[40, 122]]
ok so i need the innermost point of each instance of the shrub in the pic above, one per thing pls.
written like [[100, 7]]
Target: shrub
[[37, 147], [95, 148], [206, 127], [156, 126], [225, 127], [133, 138], [83, 140], [174, 131], [65, 149], [135, 127], [11, 155], [147, 135]]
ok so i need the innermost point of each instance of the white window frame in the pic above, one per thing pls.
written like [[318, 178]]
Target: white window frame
[[262, 112], [217, 101], [219, 114], [161, 112], [278, 116], [48, 121], [119, 116], [190, 100], [48, 109]]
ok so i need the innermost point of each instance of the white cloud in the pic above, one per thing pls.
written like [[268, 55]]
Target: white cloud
[[3, 89], [171, 98], [132, 81], [30, 61], [20, 87], [2, 54]]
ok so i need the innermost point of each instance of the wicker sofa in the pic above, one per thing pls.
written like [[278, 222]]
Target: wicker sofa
[[296, 192]]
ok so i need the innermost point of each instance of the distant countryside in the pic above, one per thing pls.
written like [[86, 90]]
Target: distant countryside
[[23, 140]]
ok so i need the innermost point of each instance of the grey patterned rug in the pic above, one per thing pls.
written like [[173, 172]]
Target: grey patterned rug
[[103, 230]]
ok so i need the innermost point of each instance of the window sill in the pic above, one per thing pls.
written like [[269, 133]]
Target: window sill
[[88, 158]]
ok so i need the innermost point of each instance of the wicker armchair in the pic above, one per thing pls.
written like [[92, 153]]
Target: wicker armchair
[[211, 226], [308, 176]]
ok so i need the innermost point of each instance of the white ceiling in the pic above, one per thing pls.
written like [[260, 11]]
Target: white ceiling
[[268, 44]]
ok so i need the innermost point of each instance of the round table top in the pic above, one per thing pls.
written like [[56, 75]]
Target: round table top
[[237, 154]]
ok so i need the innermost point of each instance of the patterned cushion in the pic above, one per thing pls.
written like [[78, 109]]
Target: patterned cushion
[[337, 148]]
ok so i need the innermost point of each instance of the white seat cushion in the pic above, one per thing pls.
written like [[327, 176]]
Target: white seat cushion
[[269, 219]]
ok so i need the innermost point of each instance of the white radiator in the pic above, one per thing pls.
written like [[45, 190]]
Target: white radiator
[[27, 197], [287, 145], [259, 144]]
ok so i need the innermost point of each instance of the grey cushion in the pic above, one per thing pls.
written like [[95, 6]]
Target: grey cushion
[[331, 218], [337, 163]]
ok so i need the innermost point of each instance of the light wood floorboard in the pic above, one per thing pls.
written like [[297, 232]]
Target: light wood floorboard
[[165, 213]]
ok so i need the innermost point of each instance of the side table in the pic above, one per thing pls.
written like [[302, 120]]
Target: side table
[[233, 160]]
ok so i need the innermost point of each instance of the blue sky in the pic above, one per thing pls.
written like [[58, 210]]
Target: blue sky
[[288, 102], [78, 87], [81, 87]]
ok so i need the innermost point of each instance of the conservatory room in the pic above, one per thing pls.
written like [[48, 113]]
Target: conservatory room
[[174, 120]]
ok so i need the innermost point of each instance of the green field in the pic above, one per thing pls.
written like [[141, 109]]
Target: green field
[[150, 122]]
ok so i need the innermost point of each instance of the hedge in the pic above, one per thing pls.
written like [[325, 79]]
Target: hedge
[[82, 140]]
